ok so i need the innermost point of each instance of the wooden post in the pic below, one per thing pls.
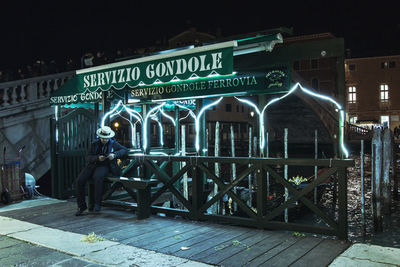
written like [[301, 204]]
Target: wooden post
[[362, 190], [377, 180], [286, 171], [216, 166], [395, 176], [387, 160]]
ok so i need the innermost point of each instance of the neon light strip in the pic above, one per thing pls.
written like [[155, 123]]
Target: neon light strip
[[189, 113], [168, 117], [145, 124], [309, 92], [56, 118], [109, 113], [132, 128], [197, 122]]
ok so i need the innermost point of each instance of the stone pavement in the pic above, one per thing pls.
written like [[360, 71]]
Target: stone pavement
[[26, 244]]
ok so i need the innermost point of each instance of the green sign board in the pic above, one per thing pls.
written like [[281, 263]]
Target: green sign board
[[197, 62], [269, 81], [159, 69]]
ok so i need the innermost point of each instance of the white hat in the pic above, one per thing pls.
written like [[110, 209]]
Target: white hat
[[105, 132]]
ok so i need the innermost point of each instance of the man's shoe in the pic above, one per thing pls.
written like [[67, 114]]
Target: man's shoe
[[80, 211]]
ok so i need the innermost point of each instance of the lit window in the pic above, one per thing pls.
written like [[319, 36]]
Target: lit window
[[385, 120], [384, 93], [353, 120], [352, 94]]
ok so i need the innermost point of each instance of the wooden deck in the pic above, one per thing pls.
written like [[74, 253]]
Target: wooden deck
[[205, 242]]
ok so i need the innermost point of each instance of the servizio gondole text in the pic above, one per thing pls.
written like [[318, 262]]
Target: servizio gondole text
[[194, 86], [169, 68]]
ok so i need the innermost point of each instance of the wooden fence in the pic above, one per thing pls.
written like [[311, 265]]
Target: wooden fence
[[265, 212]]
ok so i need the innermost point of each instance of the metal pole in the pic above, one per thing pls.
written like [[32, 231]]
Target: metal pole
[[216, 154], [267, 155], [315, 167], [183, 146], [250, 201], [233, 164]]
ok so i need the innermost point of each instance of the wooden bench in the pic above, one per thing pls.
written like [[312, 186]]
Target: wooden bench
[[143, 189]]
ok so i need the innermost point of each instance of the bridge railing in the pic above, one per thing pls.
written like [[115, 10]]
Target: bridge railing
[[355, 132], [31, 90]]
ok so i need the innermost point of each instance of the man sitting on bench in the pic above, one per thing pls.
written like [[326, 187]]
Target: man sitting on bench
[[101, 159]]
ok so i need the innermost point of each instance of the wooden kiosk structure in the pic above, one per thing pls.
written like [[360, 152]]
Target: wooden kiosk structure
[[248, 69]]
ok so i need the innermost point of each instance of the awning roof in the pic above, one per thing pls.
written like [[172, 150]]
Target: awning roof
[[199, 62]]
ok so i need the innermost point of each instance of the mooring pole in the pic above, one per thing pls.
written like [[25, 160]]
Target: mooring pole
[[387, 162], [286, 171], [362, 189], [377, 180]]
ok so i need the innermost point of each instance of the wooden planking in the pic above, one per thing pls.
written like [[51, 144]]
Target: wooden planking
[[176, 234], [294, 252], [323, 254], [233, 247], [199, 237], [287, 241], [211, 243], [157, 232], [254, 251], [130, 233], [157, 246]]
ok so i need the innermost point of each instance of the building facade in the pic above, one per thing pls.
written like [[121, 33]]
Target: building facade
[[373, 90]]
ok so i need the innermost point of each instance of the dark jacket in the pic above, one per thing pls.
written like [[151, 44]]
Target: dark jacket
[[97, 149]]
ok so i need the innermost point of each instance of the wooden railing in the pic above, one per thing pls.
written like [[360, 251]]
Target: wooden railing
[[265, 211]]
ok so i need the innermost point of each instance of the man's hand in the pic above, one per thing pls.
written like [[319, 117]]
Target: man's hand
[[102, 158], [111, 156]]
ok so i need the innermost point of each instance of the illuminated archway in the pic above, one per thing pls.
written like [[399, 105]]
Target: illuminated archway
[[309, 92]]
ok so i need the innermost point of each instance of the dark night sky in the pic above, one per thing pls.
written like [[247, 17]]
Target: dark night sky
[[59, 29]]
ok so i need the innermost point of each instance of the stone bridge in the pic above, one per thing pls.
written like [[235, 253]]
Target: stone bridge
[[24, 120]]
